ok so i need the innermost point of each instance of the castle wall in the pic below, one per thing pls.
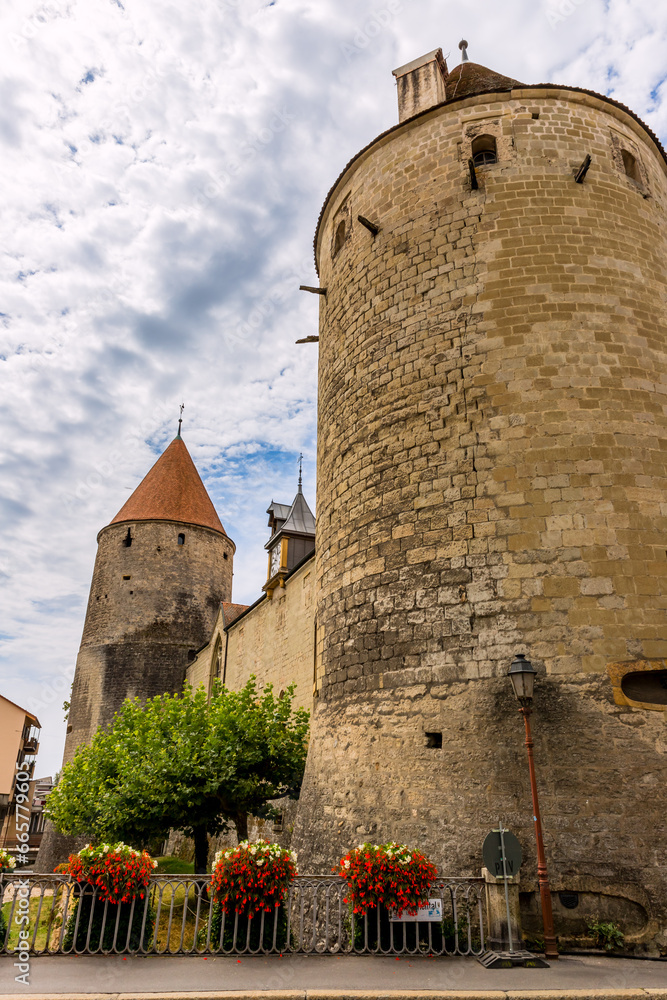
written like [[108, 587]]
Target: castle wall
[[275, 641], [491, 474], [150, 604]]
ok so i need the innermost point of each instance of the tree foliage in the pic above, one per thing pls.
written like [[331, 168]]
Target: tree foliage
[[184, 762]]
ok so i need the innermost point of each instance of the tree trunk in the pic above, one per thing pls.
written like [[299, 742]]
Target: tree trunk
[[241, 823], [201, 850]]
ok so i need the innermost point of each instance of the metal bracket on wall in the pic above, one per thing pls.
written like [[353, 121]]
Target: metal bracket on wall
[[370, 226], [583, 169]]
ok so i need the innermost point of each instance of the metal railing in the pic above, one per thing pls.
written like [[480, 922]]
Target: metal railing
[[178, 916]]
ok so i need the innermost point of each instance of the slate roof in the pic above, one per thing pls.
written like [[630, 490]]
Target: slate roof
[[300, 519], [172, 491]]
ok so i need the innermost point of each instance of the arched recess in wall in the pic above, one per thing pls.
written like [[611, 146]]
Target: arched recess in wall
[[484, 150], [339, 238], [216, 664]]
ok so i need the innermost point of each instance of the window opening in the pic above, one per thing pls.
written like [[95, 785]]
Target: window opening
[[484, 150], [648, 686], [128, 539], [191, 655], [433, 741], [630, 165], [181, 539], [224, 555], [339, 238]]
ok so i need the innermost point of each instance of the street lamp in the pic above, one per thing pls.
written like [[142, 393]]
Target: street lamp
[[522, 674]]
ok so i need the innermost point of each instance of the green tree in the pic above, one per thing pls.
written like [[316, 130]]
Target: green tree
[[184, 762]]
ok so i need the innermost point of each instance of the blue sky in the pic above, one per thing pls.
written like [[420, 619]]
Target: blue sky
[[162, 169]]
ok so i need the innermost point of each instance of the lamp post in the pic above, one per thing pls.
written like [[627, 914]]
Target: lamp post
[[522, 674]]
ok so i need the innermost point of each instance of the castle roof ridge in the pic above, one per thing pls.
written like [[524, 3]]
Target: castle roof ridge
[[172, 490]]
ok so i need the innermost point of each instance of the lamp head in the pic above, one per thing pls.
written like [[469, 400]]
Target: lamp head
[[522, 675]]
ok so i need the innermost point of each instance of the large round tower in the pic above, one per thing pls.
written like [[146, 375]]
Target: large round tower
[[163, 566], [492, 464]]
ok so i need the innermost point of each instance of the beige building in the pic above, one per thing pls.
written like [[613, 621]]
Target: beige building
[[274, 638], [19, 743]]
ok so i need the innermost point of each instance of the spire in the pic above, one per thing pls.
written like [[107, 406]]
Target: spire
[[299, 490], [180, 420], [172, 491]]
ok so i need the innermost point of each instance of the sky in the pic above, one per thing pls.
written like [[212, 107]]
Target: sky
[[162, 168]]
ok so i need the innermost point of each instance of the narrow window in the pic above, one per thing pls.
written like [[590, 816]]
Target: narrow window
[[278, 823], [181, 539], [339, 238], [128, 539], [224, 555], [191, 655], [631, 167], [127, 577], [433, 741], [484, 150]]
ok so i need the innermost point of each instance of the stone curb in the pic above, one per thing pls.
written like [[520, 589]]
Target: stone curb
[[346, 994]]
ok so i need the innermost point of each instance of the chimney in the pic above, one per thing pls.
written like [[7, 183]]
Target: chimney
[[421, 84]]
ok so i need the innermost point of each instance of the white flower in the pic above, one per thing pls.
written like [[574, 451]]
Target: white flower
[[346, 863], [155, 864], [259, 861]]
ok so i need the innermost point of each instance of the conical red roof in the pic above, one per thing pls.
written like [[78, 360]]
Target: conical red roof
[[172, 491]]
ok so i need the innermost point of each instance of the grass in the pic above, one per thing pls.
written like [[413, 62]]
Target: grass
[[50, 922], [169, 865], [173, 903]]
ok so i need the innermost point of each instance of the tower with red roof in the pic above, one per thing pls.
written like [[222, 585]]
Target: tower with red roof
[[163, 567], [164, 564]]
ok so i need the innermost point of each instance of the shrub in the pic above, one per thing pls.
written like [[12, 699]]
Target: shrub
[[249, 932], [390, 874], [606, 935], [90, 909]]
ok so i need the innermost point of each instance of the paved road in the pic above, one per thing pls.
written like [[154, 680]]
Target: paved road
[[295, 975]]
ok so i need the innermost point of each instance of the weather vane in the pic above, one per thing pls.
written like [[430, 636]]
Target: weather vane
[[300, 466], [180, 419], [463, 45]]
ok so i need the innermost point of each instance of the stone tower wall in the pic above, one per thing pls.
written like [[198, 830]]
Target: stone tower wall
[[149, 605], [491, 473]]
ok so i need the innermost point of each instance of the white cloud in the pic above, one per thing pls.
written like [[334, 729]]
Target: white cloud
[[162, 170]]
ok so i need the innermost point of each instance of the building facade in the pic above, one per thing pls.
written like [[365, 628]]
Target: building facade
[[492, 465], [19, 744], [491, 480]]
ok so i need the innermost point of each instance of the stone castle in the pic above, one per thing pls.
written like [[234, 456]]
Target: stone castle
[[492, 461]]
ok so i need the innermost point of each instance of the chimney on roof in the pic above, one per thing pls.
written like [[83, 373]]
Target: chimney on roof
[[421, 84]]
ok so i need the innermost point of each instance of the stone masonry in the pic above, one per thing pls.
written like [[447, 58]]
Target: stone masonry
[[492, 462]]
